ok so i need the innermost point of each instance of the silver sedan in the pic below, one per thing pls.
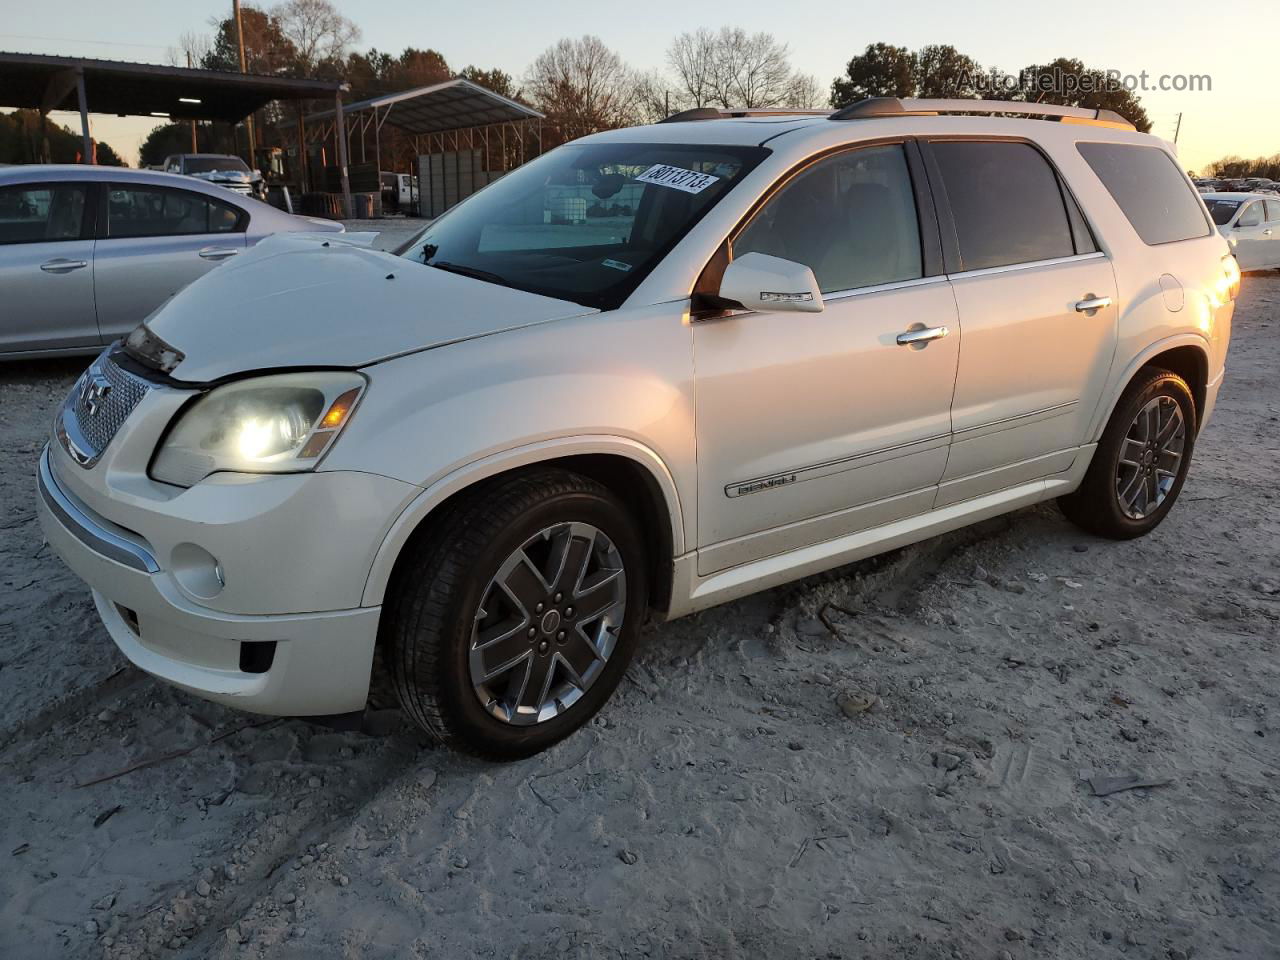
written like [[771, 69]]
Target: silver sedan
[[87, 252]]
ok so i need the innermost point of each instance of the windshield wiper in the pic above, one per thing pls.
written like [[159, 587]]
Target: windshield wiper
[[473, 272]]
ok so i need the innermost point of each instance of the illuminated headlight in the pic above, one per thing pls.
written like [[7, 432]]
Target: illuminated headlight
[[275, 424]]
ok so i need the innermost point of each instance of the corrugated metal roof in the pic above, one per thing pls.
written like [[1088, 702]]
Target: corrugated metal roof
[[452, 105]]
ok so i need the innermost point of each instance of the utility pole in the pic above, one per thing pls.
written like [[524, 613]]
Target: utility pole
[[195, 147], [253, 140], [1178, 129]]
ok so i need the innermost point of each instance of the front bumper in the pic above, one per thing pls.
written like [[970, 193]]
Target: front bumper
[[297, 664]]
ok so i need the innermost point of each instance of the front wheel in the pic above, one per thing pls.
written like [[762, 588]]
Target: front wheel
[[1141, 462], [511, 621]]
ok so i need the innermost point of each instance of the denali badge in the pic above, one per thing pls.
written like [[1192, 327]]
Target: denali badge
[[755, 486]]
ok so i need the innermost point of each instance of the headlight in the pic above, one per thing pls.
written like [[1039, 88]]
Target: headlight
[[275, 424]]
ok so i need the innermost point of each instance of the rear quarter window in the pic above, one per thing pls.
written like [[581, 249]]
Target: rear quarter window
[[1150, 189]]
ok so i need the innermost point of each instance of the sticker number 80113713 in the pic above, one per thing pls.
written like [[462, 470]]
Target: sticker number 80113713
[[690, 181]]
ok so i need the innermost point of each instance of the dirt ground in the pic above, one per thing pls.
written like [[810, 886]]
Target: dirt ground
[[891, 760]]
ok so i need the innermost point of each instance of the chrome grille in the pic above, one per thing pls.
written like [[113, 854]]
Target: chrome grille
[[96, 409]]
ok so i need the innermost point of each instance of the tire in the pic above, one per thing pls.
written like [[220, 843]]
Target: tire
[[1109, 502], [436, 642]]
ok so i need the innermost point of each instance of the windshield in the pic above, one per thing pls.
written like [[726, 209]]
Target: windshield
[[210, 164], [1222, 210], [586, 222]]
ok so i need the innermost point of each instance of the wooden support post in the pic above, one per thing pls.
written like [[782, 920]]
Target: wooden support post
[[340, 134]]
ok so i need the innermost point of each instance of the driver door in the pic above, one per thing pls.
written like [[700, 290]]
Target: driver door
[[811, 426]]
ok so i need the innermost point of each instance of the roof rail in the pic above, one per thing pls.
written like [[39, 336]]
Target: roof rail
[[899, 107], [719, 113]]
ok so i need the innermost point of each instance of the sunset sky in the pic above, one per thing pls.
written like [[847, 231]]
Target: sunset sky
[[1240, 114]]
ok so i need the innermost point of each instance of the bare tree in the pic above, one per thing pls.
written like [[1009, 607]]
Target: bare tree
[[317, 31], [583, 87], [692, 58], [191, 50], [805, 93], [733, 68]]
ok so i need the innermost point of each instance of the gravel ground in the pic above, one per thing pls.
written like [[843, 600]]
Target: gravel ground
[[891, 760]]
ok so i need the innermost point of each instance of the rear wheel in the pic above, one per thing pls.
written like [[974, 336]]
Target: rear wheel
[[1141, 462], [512, 620]]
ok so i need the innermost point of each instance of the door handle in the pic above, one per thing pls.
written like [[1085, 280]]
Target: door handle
[[922, 336], [1267, 232], [1091, 303], [62, 265], [218, 253]]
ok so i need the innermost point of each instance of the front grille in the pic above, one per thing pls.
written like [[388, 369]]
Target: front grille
[[97, 407]]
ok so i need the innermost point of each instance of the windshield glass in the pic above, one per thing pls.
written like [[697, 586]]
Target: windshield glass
[[585, 222], [1222, 210], [210, 164]]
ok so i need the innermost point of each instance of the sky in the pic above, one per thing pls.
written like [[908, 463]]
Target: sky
[[1240, 114]]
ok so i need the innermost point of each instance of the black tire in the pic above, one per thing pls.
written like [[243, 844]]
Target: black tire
[[437, 589], [1096, 506]]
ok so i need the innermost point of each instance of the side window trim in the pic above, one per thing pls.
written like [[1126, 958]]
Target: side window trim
[[946, 219], [932, 264]]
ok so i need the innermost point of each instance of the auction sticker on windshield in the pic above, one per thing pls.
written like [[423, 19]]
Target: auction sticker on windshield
[[690, 181]]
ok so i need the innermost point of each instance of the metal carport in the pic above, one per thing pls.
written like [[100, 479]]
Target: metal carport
[[45, 83]]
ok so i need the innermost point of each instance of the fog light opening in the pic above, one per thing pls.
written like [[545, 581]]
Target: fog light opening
[[256, 656]]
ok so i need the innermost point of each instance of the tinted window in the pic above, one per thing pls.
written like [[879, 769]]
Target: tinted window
[[1149, 188], [1007, 203], [211, 164], [39, 214], [1222, 210], [159, 212], [850, 218]]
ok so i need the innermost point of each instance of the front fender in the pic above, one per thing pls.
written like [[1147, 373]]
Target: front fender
[[420, 508]]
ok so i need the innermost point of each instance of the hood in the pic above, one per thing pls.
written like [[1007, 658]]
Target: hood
[[228, 176], [298, 300]]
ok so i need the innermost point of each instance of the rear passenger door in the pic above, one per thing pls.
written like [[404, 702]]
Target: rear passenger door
[[1036, 305], [152, 242], [1272, 234], [1250, 237], [46, 267]]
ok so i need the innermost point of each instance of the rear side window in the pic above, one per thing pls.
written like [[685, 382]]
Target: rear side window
[[1007, 203], [1273, 210], [1150, 189], [162, 212]]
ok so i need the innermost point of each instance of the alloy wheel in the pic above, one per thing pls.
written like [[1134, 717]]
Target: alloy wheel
[[547, 623], [1150, 457]]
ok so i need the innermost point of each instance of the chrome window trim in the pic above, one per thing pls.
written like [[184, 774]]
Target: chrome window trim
[[85, 528], [1029, 265], [883, 287]]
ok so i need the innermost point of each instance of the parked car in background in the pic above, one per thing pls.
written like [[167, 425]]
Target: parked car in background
[[399, 192], [800, 341], [87, 252], [1251, 224], [222, 169]]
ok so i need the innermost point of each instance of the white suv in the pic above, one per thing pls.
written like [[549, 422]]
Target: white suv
[[651, 371]]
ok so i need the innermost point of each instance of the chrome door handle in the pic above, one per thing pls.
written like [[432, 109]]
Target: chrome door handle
[[922, 336], [1091, 303], [1266, 233], [218, 253], [62, 265]]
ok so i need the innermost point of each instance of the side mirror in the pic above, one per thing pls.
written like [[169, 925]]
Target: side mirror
[[758, 281]]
